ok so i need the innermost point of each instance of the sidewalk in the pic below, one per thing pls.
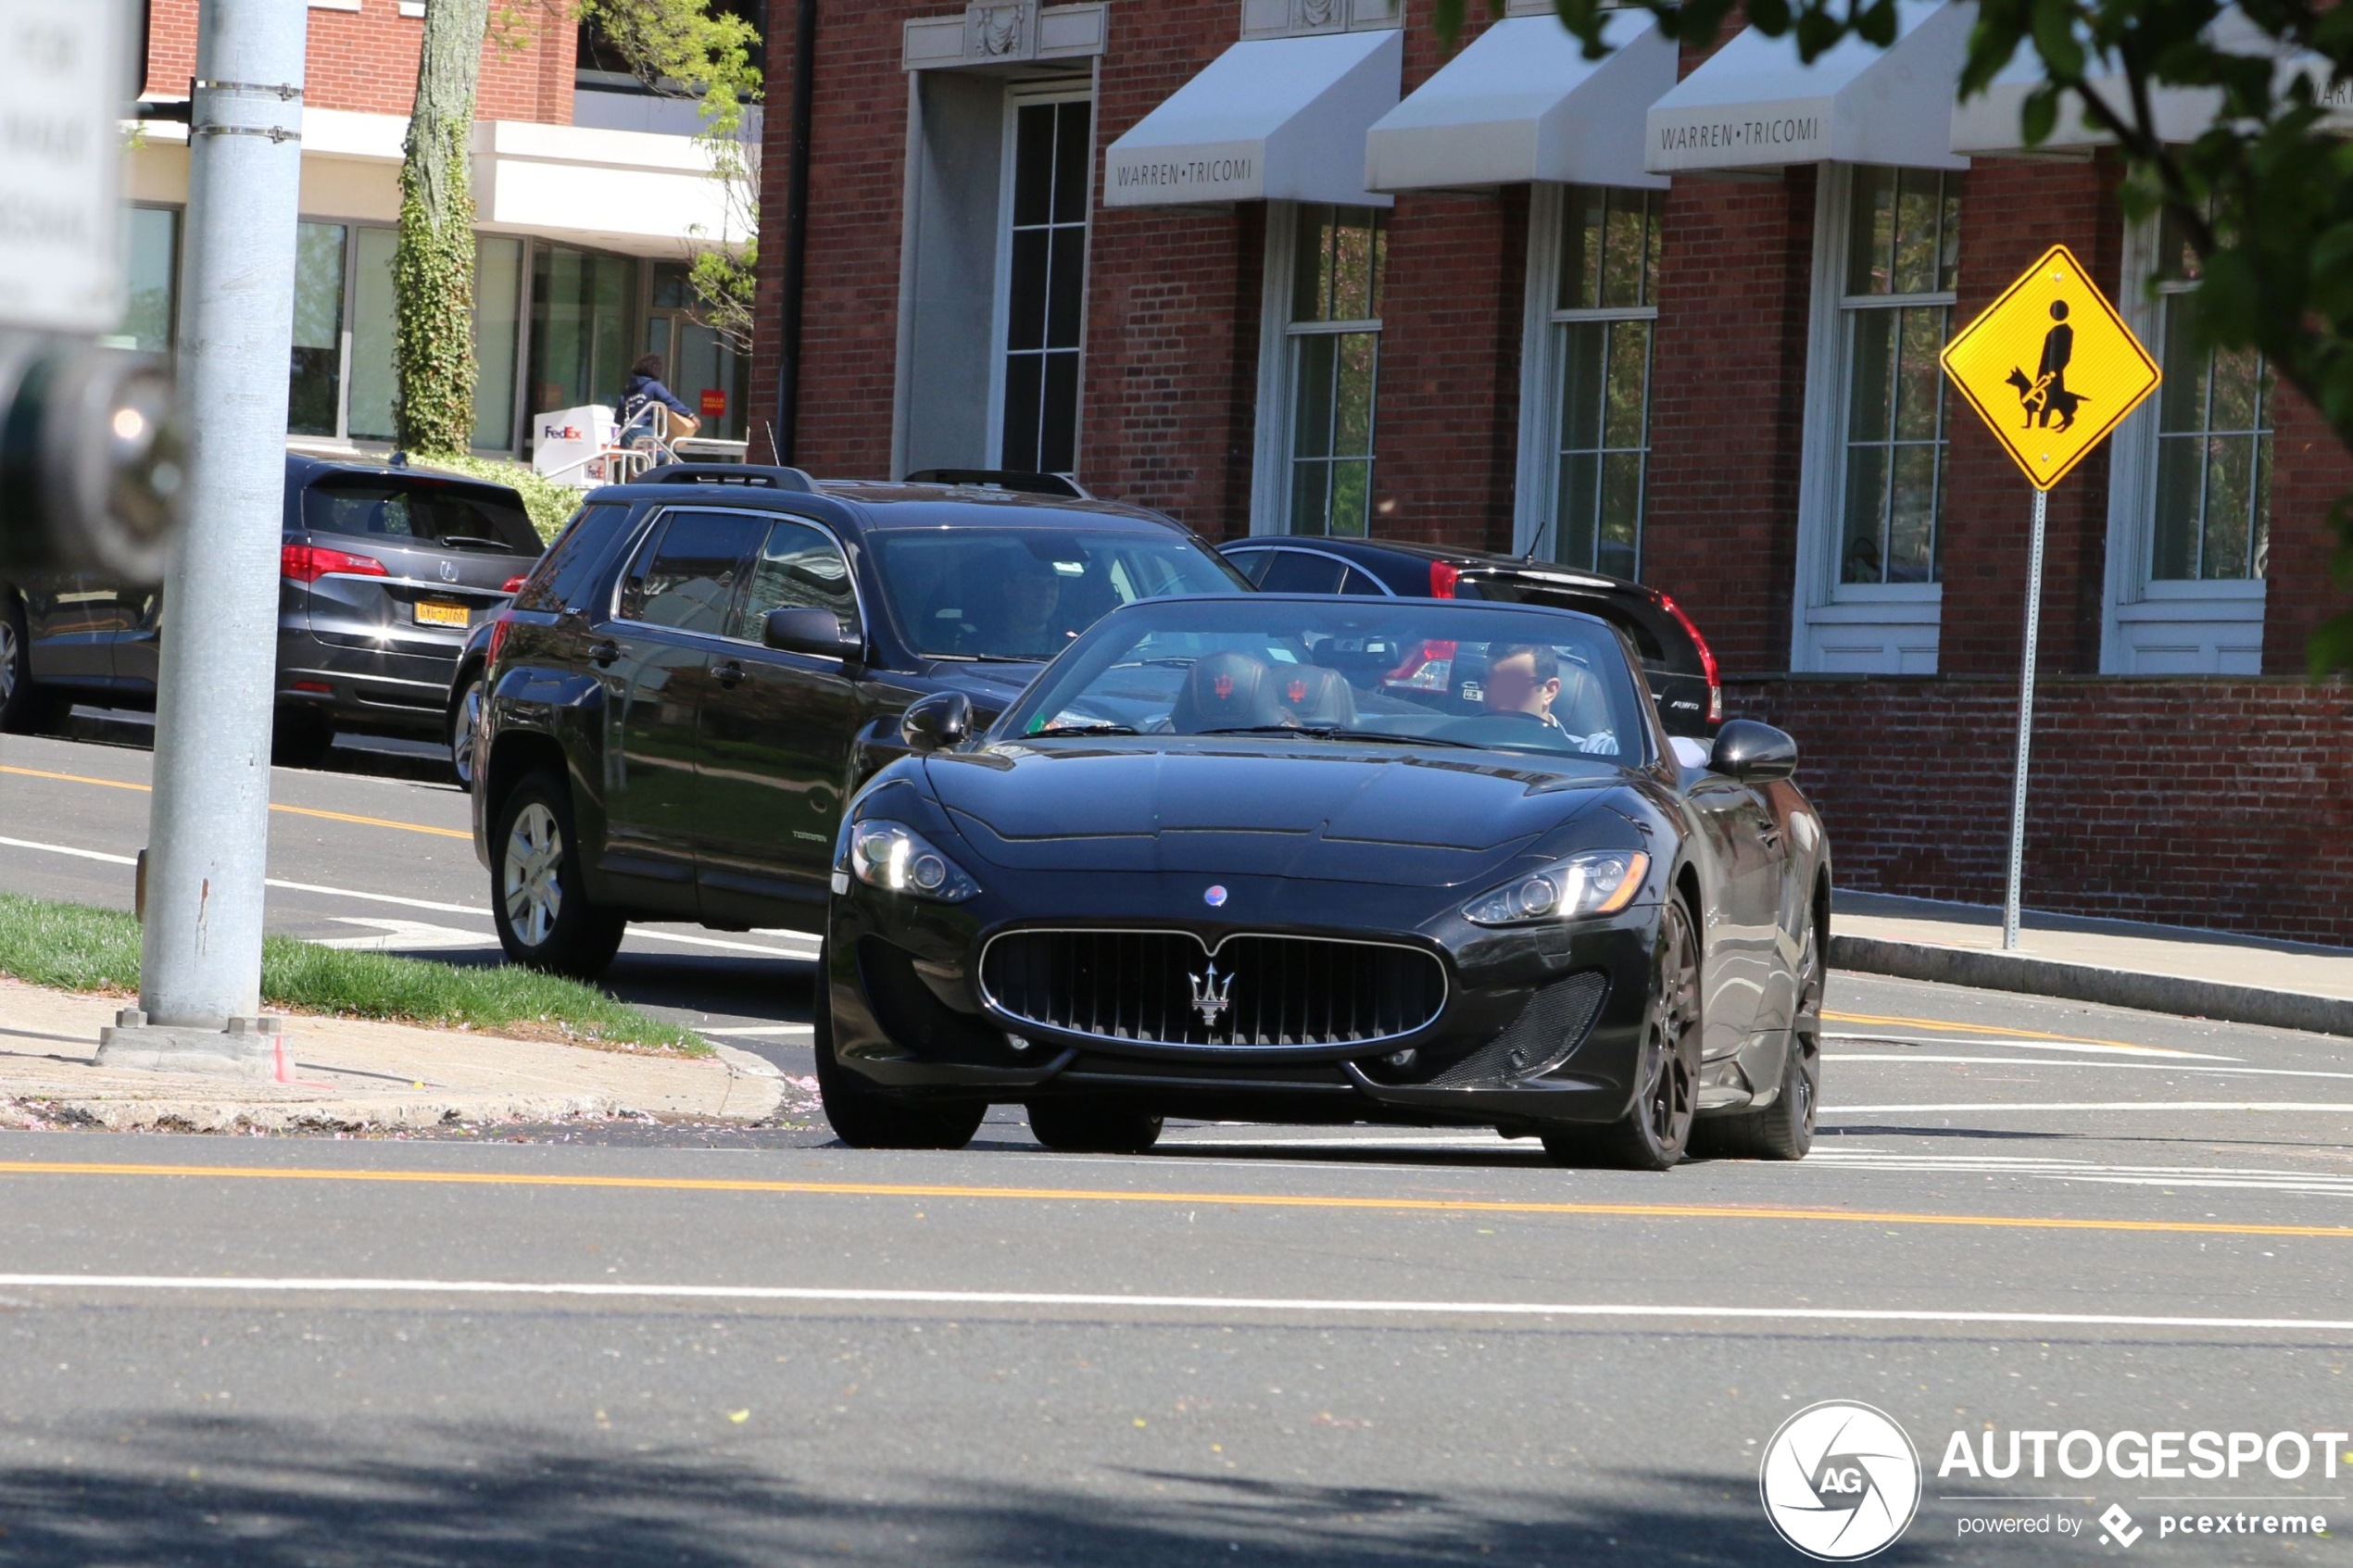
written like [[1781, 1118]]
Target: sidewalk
[[356, 1076], [2123, 964]]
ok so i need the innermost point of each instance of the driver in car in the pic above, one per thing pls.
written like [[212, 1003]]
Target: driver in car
[[1033, 593], [1526, 678]]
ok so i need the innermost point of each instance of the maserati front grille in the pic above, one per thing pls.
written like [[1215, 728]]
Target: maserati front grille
[[1166, 987]]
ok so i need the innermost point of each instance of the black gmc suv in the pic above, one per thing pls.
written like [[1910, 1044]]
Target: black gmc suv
[[685, 693]]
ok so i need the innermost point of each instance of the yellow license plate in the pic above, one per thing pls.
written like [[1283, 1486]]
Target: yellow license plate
[[430, 613]]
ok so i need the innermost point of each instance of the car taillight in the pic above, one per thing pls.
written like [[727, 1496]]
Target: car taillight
[[514, 584], [497, 637], [1707, 659], [1442, 580], [308, 563], [1425, 670]]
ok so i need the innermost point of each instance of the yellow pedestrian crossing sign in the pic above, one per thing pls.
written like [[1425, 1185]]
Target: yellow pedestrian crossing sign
[[2050, 367]]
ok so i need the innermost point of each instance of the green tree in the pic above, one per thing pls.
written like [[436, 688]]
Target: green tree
[[2264, 196], [433, 262]]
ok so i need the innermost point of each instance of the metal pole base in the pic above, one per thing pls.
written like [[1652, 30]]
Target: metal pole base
[[248, 1047]]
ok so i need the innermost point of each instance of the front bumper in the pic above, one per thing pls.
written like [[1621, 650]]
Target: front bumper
[[908, 1011]]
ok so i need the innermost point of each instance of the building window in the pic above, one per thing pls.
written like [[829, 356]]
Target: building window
[[151, 323], [314, 393], [1596, 358], [583, 327], [1045, 271], [1903, 245], [706, 371], [2213, 499], [374, 382], [1331, 351]]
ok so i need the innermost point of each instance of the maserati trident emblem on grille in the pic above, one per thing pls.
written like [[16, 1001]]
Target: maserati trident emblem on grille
[[1210, 993]]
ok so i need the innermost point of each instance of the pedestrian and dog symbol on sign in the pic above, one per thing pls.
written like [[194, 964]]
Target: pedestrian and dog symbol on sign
[[2050, 367]]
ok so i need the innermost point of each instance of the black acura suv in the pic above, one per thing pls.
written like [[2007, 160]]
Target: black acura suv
[[709, 662]]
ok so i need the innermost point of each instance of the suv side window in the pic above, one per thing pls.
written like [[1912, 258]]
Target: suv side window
[[560, 580], [1252, 564], [686, 577], [1298, 572], [801, 568]]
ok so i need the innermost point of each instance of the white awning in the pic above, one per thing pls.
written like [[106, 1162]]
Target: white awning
[[1754, 104], [1269, 119], [1989, 122], [1522, 103]]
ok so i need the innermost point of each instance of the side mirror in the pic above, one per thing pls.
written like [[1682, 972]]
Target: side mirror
[[936, 723], [1752, 752], [803, 630]]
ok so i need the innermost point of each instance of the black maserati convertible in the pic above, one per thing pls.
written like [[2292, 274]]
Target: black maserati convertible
[[1238, 858]]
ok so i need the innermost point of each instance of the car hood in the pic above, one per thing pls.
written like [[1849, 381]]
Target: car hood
[[1341, 812]]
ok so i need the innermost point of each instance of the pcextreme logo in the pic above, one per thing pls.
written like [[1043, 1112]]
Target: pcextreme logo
[[1840, 1481]]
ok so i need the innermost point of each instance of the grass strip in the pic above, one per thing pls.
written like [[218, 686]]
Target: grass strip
[[76, 948]]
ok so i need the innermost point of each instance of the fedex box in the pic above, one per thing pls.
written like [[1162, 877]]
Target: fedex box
[[571, 444]]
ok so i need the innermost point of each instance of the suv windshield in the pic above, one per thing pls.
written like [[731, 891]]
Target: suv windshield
[[1025, 593], [1347, 669], [423, 512]]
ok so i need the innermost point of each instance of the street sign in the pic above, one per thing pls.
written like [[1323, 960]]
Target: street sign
[[2050, 367], [61, 151]]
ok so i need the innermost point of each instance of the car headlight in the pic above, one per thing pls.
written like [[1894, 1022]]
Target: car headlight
[[900, 860], [1599, 883]]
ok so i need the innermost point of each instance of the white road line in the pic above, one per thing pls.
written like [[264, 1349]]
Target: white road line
[[1907, 1059], [1286, 1304], [2330, 1108], [404, 936], [2088, 1047], [763, 1031], [807, 947]]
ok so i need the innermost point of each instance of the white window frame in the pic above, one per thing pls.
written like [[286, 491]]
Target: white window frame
[[1018, 96], [1848, 628], [1278, 380], [1543, 370], [2151, 627]]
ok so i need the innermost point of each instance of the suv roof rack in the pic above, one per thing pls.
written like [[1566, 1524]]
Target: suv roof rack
[[728, 473], [1004, 479]]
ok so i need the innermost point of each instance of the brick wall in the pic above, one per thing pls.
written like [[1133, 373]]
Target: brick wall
[[366, 59], [2220, 803]]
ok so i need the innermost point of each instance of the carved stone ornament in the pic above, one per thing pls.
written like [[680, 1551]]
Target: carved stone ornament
[[1000, 30]]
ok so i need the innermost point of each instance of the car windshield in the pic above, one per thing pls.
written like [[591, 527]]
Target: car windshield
[[1375, 672], [1014, 593]]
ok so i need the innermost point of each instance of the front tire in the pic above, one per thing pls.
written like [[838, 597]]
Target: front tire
[[538, 899], [1656, 1127], [1087, 1126], [866, 1115]]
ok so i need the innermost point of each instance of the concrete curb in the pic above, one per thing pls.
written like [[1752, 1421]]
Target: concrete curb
[[2090, 982]]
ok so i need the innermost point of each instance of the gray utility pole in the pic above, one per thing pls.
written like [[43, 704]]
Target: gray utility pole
[[200, 970]]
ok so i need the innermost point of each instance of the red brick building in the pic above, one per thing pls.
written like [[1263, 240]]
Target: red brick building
[[1279, 265]]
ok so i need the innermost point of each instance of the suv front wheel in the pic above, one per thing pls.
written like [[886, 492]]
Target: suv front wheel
[[537, 897]]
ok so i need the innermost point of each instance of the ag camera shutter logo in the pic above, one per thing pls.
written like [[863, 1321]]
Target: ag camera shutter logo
[[1840, 1481]]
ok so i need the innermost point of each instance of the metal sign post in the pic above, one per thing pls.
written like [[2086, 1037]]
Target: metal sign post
[[2025, 725], [2051, 368]]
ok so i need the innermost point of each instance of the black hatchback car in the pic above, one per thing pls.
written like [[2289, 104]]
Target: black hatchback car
[[1676, 659], [684, 695], [383, 571]]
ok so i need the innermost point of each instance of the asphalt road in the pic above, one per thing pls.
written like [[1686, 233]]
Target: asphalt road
[[1258, 1345]]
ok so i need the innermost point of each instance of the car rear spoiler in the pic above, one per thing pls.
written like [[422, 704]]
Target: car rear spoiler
[[1004, 479], [728, 473]]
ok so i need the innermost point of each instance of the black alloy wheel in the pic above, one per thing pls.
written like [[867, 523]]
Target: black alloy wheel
[[1784, 1130], [866, 1115], [1092, 1126], [537, 898], [1652, 1134], [462, 714], [23, 706]]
